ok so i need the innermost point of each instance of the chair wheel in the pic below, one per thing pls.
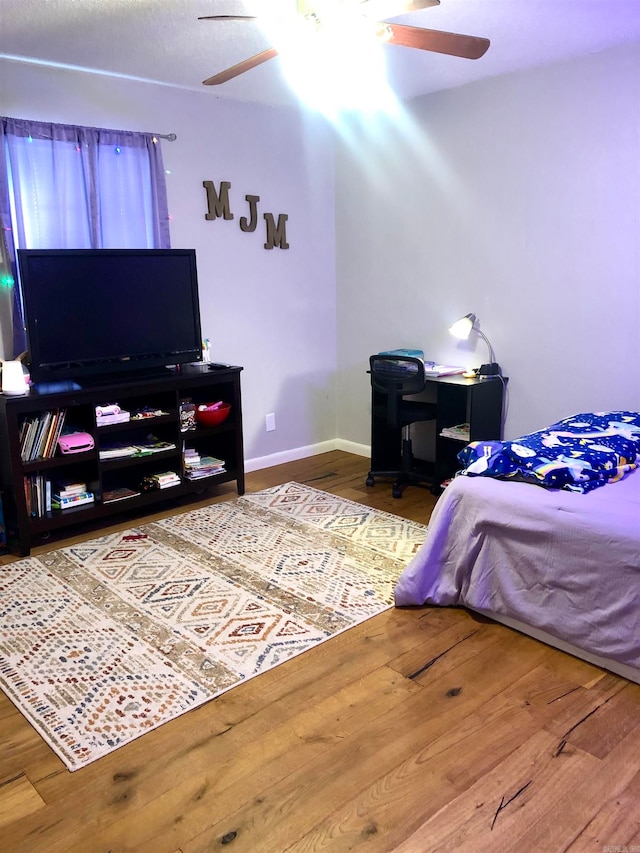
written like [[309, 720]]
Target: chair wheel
[[396, 491], [370, 481]]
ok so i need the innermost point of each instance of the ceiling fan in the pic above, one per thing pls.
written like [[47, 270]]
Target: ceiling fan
[[453, 44]]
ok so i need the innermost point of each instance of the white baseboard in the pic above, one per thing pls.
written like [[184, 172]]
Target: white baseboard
[[304, 452], [353, 447]]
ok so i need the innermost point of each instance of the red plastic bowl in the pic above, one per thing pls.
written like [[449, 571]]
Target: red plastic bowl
[[213, 417]]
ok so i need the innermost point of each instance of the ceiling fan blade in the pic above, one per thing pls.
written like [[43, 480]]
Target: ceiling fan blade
[[414, 5], [228, 18], [453, 44], [241, 67], [402, 6]]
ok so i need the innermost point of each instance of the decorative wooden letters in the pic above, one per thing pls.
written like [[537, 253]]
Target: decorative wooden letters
[[218, 208]]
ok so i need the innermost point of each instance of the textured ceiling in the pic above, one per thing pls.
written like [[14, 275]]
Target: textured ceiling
[[163, 40]]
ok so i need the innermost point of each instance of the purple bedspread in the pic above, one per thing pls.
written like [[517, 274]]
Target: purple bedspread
[[565, 563]]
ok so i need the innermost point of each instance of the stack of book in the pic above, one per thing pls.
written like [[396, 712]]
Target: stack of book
[[196, 466], [39, 435], [460, 432], [147, 412], [116, 450], [163, 480], [152, 444], [69, 494]]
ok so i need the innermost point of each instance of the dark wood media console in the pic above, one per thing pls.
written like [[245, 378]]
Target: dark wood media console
[[164, 393]]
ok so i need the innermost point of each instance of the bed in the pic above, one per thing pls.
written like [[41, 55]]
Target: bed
[[543, 535]]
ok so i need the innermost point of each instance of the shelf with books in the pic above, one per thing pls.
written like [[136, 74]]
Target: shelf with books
[[39, 434], [116, 483]]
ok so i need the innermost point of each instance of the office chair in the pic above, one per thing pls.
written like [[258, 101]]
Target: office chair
[[395, 377]]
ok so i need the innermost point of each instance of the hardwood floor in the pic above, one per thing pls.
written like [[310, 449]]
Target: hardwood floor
[[422, 729]]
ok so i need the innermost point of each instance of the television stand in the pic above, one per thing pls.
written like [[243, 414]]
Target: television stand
[[137, 374], [120, 484]]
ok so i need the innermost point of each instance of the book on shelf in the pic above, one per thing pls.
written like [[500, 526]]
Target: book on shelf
[[152, 444], [116, 450], [39, 435], [71, 483], [202, 461], [80, 499], [37, 495], [196, 466], [204, 472], [120, 493], [42, 429], [51, 438], [165, 476], [147, 412], [461, 432], [26, 438], [163, 480], [69, 488]]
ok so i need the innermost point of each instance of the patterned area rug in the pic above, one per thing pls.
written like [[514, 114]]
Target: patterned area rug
[[104, 641]]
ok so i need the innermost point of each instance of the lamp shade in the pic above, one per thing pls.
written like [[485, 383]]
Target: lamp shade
[[462, 328], [14, 381]]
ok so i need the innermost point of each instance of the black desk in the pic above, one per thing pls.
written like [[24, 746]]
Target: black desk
[[478, 402]]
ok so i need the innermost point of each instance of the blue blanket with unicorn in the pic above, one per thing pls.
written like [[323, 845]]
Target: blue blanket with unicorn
[[578, 453]]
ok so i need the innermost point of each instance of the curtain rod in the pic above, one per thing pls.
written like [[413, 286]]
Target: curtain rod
[[170, 137]]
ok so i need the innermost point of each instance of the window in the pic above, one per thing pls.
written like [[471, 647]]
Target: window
[[64, 186]]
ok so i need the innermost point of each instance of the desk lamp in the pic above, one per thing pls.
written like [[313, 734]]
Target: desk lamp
[[462, 329]]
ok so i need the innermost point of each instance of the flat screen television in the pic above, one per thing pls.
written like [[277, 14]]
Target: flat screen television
[[103, 313]]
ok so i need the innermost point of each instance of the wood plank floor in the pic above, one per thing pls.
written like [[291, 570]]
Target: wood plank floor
[[422, 729]]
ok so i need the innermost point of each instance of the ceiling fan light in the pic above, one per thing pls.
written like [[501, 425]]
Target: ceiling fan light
[[383, 32]]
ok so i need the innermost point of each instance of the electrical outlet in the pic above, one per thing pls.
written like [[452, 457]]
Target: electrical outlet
[[270, 421]]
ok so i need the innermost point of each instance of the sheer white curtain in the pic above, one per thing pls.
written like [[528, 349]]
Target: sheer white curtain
[[70, 187]]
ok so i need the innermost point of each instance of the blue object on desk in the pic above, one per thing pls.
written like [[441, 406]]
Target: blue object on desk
[[412, 353]]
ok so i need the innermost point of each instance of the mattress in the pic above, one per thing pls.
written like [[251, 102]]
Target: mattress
[[560, 565]]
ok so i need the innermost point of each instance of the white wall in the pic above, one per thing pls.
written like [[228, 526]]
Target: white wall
[[272, 311], [517, 198]]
